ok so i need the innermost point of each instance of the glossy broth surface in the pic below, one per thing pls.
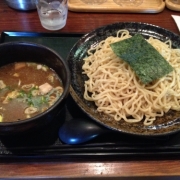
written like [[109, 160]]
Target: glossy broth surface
[[27, 89]]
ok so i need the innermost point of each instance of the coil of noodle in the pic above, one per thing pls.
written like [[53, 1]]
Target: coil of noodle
[[116, 90]]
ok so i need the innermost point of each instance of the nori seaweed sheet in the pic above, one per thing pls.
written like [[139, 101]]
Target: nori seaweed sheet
[[144, 59]]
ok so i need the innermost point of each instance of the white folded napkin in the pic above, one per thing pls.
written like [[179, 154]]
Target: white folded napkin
[[177, 20]]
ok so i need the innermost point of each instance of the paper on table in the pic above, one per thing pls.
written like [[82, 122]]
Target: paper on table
[[177, 20]]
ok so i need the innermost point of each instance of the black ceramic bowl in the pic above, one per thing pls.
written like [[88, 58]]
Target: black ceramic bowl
[[25, 51], [165, 125]]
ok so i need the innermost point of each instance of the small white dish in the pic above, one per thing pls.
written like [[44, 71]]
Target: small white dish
[[177, 20]]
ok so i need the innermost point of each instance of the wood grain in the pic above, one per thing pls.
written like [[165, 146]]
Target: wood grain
[[172, 6], [153, 6], [56, 169], [12, 20]]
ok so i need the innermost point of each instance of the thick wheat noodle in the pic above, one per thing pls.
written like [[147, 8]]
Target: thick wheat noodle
[[116, 90]]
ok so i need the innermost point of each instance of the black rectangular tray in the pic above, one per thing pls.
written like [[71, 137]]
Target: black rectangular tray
[[46, 144]]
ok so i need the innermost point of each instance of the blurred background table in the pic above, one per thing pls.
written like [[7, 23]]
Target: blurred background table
[[12, 20]]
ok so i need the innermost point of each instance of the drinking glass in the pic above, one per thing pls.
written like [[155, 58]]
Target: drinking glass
[[129, 2], [52, 13]]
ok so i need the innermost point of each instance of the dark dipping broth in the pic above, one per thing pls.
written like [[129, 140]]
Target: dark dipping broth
[[26, 90]]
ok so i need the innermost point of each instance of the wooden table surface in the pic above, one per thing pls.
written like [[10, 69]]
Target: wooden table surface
[[12, 20]]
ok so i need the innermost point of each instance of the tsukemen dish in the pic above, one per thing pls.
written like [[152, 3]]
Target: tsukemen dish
[[80, 61]]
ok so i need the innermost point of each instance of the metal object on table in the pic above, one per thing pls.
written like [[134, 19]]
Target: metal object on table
[[24, 5]]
